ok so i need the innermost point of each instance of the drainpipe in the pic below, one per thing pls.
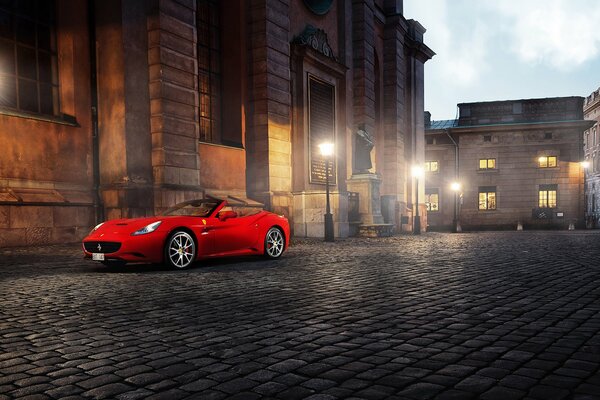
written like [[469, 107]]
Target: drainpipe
[[98, 206], [456, 164]]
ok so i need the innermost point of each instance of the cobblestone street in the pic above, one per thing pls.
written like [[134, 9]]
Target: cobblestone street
[[495, 315]]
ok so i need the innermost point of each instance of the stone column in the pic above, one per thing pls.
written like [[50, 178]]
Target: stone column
[[394, 119], [173, 76], [123, 108], [365, 183], [268, 140]]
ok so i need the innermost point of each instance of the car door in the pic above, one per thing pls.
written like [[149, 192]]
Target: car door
[[204, 235], [234, 234]]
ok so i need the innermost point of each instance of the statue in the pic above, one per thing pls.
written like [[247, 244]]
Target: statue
[[362, 151]]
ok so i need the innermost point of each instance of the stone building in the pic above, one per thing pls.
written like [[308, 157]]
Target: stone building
[[518, 163], [119, 108], [591, 148]]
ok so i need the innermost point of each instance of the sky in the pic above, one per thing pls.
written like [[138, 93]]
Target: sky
[[507, 49]]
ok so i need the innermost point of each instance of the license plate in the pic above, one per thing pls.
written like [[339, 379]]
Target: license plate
[[98, 256]]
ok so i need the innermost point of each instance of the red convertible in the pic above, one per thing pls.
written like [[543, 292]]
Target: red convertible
[[192, 230]]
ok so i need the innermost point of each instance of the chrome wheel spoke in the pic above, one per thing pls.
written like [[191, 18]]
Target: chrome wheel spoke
[[181, 250], [274, 243]]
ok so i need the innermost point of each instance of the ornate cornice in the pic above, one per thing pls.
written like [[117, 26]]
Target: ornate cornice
[[316, 39]]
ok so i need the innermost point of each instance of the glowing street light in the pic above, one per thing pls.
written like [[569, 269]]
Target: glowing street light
[[417, 172], [585, 165], [326, 149], [456, 187]]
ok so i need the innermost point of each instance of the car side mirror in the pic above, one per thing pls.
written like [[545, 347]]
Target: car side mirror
[[225, 215]]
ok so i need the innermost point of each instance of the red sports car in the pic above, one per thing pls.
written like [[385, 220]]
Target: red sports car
[[192, 230]]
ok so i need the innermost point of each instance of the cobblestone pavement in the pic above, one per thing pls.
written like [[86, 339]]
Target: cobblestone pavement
[[504, 315]]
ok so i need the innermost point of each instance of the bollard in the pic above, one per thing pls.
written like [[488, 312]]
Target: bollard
[[571, 226], [519, 226]]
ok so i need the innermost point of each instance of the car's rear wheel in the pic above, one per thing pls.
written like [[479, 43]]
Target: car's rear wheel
[[180, 250], [274, 243]]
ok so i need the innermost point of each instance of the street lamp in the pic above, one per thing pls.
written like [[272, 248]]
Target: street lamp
[[584, 165], [455, 186], [417, 172], [327, 150]]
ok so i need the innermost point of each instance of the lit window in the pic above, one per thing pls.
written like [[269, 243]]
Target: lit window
[[487, 163], [431, 166], [28, 62], [487, 198], [547, 162], [432, 199], [547, 196]]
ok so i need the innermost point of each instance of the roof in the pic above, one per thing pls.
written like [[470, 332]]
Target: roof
[[443, 124]]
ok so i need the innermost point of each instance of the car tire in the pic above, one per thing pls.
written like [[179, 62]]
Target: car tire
[[274, 243], [180, 250]]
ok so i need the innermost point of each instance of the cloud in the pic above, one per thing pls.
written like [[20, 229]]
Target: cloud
[[461, 48], [559, 33]]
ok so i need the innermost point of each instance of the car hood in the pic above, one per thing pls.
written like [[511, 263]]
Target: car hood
[[126, 225]]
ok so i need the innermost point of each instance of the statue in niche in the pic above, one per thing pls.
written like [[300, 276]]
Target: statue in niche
[[364, 143]]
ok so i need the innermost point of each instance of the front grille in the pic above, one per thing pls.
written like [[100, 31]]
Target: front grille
[[105, 247]]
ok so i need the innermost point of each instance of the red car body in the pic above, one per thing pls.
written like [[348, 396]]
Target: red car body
[[222, 232]]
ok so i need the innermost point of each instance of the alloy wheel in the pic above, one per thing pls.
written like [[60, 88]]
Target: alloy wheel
[[181, 250], [274, 243]]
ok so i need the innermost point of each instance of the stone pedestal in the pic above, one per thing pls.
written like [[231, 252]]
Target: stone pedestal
[[309, 210], [369, 199]]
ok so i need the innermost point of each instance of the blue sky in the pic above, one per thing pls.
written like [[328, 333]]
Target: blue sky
[[507, 49]]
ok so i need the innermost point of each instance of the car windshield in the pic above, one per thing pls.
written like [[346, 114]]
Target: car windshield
[[196, 208]]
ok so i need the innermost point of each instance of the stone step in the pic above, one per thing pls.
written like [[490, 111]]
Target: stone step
[[375, 230]]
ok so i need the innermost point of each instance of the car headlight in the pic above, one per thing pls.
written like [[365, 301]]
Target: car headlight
[[147, 229], [96, 227]]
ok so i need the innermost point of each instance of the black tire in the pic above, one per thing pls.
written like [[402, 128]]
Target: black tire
[[180, 250], [274, 243]]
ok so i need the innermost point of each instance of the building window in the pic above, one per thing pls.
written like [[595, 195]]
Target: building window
[[487, 163], [429, 140], [432, 199], [28, 66], [431, 166], [487, 198], [487, 138], [547, 196], [209, 69], [586, 139], [321, 128], [547, 162], [548, 135]]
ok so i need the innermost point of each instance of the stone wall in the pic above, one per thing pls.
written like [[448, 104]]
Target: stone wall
[[46, 189]]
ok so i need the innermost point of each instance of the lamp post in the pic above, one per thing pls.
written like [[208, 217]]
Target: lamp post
[[455, 186], [584, 165], [417, 172], [327, 150]]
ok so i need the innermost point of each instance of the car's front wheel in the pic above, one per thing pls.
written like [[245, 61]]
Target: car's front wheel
[[180, 250], [274, 243]]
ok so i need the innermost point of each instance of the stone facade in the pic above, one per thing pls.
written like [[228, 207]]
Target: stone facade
[[591, 148], [527, 153], [162, 101]]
